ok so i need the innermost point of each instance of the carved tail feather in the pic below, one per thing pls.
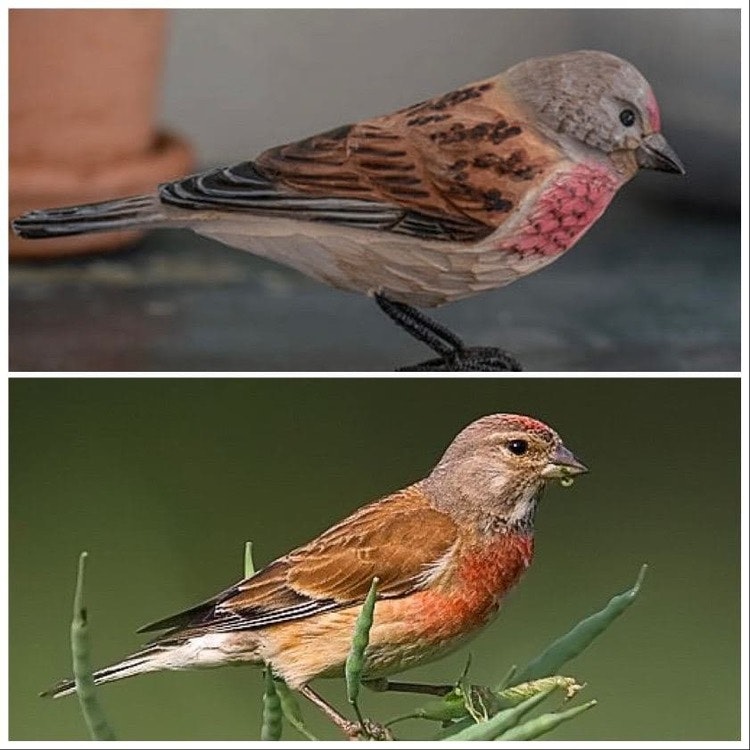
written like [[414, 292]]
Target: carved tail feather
[[115, 215]]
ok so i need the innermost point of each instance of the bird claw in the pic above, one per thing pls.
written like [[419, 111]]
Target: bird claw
[[469, 359], [368, 730], [455, 356]]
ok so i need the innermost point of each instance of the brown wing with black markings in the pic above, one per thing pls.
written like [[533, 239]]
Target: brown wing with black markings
[[453, 167], [397, 539], [457, 155]]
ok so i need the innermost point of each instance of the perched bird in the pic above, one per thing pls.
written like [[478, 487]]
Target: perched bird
[[446, 550], [452, 196]]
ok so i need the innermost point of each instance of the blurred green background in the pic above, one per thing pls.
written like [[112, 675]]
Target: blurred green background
[[163, 480]]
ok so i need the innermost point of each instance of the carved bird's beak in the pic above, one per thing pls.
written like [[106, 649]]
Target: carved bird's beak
[[655, 153], [563, 464]]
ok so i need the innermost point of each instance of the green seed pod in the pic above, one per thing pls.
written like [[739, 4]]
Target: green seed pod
[[93, 714], [355, 661], [534, 728], [518, 693], [500, 722], [570, 645], [271, 727]]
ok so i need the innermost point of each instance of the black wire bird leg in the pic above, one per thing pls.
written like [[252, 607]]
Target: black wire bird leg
[[455, 356]]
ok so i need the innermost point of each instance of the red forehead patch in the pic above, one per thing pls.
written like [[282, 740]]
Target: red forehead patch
[[528, 424], [506, 422], [654, 115]]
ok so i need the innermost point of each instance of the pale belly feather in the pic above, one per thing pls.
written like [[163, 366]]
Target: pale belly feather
[[420, 272]]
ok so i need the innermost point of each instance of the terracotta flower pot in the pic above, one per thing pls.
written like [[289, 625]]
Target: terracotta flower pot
[[83, 94]]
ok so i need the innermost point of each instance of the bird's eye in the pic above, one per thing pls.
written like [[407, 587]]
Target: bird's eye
[[627, 117], [518, 447]]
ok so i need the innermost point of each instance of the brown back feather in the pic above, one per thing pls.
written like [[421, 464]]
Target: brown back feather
[[465, 154], [397, 539]]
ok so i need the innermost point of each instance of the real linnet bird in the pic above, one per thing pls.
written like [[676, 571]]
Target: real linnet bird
[[452, 196], [446, 550]]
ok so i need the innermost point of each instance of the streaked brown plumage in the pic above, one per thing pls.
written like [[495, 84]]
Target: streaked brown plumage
[[458, 194], [446, 550], [456, 157]]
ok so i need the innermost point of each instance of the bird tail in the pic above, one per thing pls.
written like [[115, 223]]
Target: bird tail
[[139, 663], [108, 216]]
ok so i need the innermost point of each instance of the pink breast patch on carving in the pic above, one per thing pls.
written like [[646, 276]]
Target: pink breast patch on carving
[[564, 211]]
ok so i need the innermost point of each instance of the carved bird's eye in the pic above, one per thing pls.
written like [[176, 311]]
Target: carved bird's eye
[[627, 117], [518, 447]]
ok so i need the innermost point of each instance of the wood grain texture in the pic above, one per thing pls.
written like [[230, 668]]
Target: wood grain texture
[[462, 155]]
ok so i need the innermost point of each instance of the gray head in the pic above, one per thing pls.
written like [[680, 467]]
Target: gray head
[[599, 101], [497, 466]]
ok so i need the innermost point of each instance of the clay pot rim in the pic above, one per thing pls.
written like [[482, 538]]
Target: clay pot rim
[[34, 179], [49, 185]]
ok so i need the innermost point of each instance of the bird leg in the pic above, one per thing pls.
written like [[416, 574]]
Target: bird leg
[[354, 730], [480, 702], [455, 356], [383, 686]]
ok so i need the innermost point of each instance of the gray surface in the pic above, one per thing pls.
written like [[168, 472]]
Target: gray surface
[[239, 81], [647, 289]]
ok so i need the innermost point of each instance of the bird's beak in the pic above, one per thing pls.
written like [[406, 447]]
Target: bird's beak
[[563, 464], [655, 153]]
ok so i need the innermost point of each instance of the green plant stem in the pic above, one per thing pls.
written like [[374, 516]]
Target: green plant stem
[[93, 714], [291, 710], [540, 725], [509, 675], [455, 706], [249, 565]]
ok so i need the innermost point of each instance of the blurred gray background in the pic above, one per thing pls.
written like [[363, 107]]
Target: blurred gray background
[[239, 81], [653, 286]]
